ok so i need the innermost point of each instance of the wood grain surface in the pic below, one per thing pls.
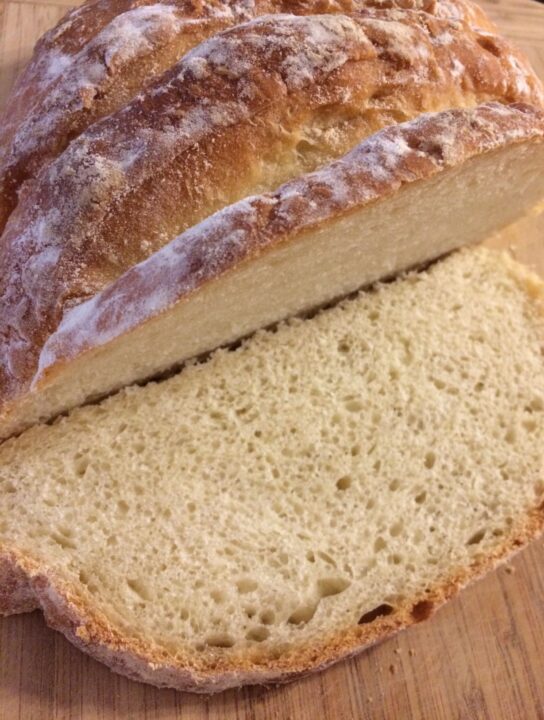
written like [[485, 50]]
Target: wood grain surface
[[480, 657]]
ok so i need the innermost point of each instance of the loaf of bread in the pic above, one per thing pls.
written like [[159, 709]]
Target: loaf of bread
[[252, 107], [317, 238], [277, 508]]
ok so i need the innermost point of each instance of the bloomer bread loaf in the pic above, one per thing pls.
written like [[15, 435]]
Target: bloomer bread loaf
[[102, 54], [275, 509], [243, 112], [404, 196]]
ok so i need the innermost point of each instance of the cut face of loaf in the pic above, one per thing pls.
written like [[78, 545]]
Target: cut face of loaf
[[408, 194], [285, 504], [241, 113], [103, 53]]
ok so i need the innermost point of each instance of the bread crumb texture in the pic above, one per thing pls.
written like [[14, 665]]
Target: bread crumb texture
[[317, 478]]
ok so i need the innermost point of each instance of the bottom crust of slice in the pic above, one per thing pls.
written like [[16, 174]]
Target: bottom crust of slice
[[27, 585]]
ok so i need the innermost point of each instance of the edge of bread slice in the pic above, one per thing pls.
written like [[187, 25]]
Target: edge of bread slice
[[291, 478]]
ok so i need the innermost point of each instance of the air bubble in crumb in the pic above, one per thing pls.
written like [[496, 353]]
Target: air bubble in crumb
[[344, 483], [258, 634], [222, 640], [379, 544], [246, 585]]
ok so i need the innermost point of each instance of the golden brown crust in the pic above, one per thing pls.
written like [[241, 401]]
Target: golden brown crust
[[379, 167], [244, 111], [101, 54], [67, 610], [16, 594]]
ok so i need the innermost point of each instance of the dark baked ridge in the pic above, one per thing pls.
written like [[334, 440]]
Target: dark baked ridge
[[243, 112], [102, 53]]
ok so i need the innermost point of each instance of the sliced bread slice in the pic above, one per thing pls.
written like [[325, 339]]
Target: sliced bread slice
[[403, 197], [283, 505]]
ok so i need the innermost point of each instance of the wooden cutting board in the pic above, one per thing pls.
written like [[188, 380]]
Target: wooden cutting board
[[479, 657]]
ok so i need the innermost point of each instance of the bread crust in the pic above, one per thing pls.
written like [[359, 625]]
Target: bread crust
[[104, 52], [212, 128], [67, 610]]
